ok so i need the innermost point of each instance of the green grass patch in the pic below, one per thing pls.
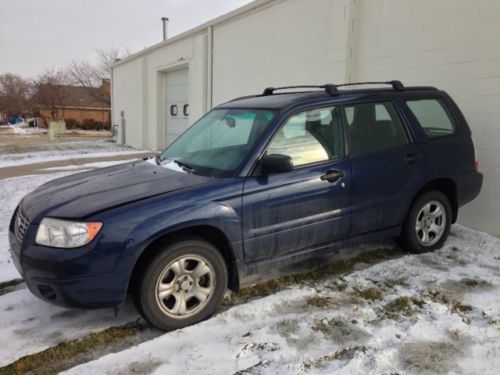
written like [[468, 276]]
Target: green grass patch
[[56, 358]]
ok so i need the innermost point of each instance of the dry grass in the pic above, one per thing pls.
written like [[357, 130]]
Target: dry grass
[[317, 301], [371, 294], [340, 267], [56, 358], [7, 286], [402, 306]]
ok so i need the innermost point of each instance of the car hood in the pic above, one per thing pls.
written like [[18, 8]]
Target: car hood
[[85, 193]]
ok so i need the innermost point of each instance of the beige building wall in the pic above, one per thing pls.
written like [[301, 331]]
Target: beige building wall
[[126, 97], [455, 46], [282, 43]]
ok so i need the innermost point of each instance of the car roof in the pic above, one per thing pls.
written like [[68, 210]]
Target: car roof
[[287, 99]]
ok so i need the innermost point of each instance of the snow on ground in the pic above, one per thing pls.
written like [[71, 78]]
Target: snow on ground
[[25, 129], [86, 166], [65, 150], [12, 190], [428, 313], [29, 325]]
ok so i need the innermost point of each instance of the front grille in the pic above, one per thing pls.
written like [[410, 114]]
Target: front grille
[[20, 224]]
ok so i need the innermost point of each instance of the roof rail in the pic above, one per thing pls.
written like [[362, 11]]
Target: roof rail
[[396, 85], [330, 89]]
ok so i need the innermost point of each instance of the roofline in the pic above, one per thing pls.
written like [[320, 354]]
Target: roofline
[[251, 7]]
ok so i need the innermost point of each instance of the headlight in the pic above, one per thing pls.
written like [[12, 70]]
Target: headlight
[[66, 234]]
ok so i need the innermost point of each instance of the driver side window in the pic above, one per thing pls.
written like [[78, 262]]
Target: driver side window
[[310, 137]]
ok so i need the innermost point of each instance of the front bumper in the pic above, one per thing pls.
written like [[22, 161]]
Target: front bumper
[[78, 277]]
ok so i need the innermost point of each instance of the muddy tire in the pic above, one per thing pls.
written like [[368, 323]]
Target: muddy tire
[[182, 285]]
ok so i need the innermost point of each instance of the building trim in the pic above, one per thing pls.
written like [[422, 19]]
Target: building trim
[[254, 6]]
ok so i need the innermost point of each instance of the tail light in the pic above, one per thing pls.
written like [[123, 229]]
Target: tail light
[[475, 167]]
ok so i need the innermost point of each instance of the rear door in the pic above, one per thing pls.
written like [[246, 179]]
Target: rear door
[[387, 166], [285, 213]]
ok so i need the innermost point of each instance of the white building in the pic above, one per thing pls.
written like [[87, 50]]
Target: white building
[[451, 44]]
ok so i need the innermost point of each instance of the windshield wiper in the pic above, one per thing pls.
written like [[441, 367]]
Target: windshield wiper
[[158, 159], [185, 166]]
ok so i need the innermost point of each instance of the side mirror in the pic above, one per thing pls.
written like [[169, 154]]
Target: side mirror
[[276, 163]]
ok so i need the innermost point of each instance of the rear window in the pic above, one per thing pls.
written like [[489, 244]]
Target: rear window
[[432, 116]]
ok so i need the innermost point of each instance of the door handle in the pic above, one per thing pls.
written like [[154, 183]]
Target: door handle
[[411, 158], [332, 176]]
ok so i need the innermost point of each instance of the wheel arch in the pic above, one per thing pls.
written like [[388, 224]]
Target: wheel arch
[[447, 186], [211, 234]]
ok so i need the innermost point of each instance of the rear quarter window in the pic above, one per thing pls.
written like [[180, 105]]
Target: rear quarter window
[[433, 117]]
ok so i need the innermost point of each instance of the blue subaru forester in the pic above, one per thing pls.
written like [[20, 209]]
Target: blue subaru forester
[[256, 186]]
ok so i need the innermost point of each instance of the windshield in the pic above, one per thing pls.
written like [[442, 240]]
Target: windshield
[[217, 143]]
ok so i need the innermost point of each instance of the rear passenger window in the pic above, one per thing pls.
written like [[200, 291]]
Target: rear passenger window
[[432, 116], [374, 127]]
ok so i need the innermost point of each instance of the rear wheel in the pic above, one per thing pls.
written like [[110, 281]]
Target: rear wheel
[[427, 225], [182, 285]]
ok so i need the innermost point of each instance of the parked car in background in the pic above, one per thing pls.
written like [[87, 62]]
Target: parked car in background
[[255, 186]]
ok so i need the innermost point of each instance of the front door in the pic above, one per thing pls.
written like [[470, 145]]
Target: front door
[[285, 213]]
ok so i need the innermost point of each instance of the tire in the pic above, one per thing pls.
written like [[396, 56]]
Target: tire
[[427, 225], [182, 285]]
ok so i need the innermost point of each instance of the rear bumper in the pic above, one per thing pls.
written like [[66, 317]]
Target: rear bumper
[[468, 187]]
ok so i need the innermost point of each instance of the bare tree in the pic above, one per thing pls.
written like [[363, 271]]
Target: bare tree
[[86, 74], [14, 94], [49, 93]]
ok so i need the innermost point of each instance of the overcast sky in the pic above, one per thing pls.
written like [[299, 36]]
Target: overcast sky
[[35, 34]]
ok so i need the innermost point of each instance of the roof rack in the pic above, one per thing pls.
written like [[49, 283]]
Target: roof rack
[[329, 88], [396, 85], [332, 89]]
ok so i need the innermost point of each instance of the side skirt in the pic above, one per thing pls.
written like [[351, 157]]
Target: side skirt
[[311, 258]]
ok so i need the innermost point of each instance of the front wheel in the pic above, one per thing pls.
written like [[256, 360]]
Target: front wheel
[[427, 225], [182, 285]]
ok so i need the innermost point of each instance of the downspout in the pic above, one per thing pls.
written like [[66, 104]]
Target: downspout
[[112, 94], [210, 71]]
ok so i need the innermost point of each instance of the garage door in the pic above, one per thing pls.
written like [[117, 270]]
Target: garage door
[[177, 104]]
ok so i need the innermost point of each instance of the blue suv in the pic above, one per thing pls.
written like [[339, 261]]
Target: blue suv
[[255, 188]]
